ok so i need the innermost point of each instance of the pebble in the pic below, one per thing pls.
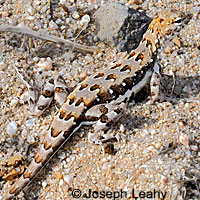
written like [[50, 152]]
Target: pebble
[[30, 122], [24, 134], [68, 179], [137, 2], [168, 50], [44, 184], [45, 64], [104, 160], [158, 145], [11, 128], [2, 65], [24, 97], [177, 41], [53, 25], [76, 15], [194, 147], [14, 101], [151, 148], [61, 182], [122, 128], [153, 132], [30, 139], [184, 139], [85, 19]]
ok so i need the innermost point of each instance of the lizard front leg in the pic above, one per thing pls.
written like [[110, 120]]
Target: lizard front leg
[[155, 83]]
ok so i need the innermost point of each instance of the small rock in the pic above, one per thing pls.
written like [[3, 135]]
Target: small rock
[[61, 182], [76, 15], [24, 97], [53, 25], [2, 65], [11, 128], [58, 175], [31, 18], [14, 101], [122, 128], [24, 134], [158, 145], [177, 41], [30, 122], [68, 179], [121, 25], [184, 139], [45, 64], [30, 139], [194, 147], [153, 132], [150, 148], [85, 19], [163, 179], [168, 50], [44, 184]]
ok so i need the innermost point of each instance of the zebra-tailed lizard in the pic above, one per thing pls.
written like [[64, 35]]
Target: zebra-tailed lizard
[[100, 99]]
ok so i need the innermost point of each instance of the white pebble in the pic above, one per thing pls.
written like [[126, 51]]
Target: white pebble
[[30, 139], [14, 101], [36, 59], [24, 97], [63, 2], [53, 25], [11, 128], [30, 9], [75, 15], [45, 64], [122, 128], [68, 179], [153, 132], [61, 182], [86, 19], [30, 122], [24, 134], [31, 18], [44, 184], [194, 147], [151, 148], [2, 65], [184, 139]]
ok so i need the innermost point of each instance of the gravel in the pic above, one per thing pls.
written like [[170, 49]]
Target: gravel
[[160, 142]]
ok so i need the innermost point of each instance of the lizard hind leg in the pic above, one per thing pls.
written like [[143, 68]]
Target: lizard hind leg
[[54, 88], [61, 91], [105, 115]]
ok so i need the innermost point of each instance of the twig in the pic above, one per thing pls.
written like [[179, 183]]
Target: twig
[[25, 30]]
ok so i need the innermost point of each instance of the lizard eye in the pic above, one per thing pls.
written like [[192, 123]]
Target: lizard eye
[[178, 20]]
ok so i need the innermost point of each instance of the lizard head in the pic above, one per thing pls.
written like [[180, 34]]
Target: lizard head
[[170, 22]]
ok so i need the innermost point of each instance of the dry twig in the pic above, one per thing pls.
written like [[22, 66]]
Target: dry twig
[[25, 30]]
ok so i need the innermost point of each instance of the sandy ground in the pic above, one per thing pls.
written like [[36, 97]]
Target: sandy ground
[[160, 152]]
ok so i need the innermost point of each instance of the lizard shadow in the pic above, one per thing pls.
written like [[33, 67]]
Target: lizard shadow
[[186, 89]]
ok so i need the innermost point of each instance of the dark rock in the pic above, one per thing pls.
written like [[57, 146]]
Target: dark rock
[[121, 26]]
